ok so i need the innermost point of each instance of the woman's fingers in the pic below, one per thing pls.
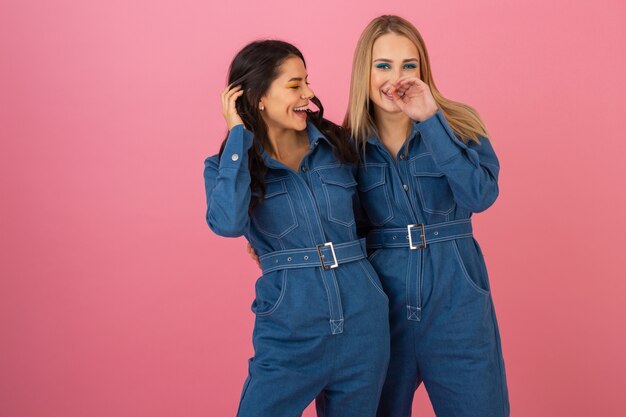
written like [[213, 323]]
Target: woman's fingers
[[229, 92], [253, 255], [229, 97], [231, 100], [250, 251], [402, 85]]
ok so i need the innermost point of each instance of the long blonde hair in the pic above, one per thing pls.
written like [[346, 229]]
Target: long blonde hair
[[463, 119]]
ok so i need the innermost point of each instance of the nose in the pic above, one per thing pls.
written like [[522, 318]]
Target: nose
[[394, 75], [307, 93]]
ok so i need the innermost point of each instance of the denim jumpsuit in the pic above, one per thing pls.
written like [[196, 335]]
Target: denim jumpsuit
[[321, 327], [442, 320]]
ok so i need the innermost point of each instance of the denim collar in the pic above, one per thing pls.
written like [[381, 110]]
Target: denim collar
[[314, 135], [374, 139]]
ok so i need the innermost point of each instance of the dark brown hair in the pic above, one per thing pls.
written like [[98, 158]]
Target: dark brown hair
[[254, 68]]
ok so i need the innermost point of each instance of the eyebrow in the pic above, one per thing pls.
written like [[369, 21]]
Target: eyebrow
[[390, 61], [297, 79]]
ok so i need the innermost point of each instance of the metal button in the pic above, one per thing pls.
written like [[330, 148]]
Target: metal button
[[304, 169], [234, 157], [306, 258], [406, 187], [401, 156]]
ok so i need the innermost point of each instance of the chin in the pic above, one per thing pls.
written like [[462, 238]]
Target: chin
[[390, 108], [300, 125]]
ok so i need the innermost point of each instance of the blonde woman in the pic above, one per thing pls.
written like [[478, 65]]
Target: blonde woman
[[427, 165]]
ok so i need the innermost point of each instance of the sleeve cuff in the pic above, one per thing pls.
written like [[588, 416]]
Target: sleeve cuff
[[238, 144]]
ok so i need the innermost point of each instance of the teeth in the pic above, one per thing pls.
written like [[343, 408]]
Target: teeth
[[303, 108]]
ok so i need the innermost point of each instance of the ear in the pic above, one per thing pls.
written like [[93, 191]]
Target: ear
[[261, 105]]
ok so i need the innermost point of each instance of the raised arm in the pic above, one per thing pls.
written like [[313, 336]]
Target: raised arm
[[471, 169], [227, 179], [227, 184]]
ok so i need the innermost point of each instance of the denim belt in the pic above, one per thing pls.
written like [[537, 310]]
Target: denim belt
[[325, 255], [418, 236]]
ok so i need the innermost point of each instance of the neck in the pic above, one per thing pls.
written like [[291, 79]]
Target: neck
[[393, 127], [286, 142]]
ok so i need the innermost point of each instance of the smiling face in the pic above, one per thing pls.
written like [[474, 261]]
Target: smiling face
[[286, 101], [393, 56]]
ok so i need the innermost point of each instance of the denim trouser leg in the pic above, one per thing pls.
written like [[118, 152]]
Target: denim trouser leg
[[296, 362], [455, 346], [355, 387]]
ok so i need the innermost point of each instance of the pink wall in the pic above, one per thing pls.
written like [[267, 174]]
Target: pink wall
[[117, 300]]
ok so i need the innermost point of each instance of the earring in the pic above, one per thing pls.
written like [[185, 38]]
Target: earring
[[261, 107]]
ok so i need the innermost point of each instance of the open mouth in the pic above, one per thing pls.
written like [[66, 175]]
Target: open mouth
[[301, 111], [301, 108]]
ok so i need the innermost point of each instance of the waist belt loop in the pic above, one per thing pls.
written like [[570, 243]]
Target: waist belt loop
[[418, 236], [325, 255]]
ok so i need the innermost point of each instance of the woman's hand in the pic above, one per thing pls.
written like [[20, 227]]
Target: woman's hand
[[253, 255], [414, 98], [229, 97]]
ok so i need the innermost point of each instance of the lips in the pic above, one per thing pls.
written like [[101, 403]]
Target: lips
[[301, 111]]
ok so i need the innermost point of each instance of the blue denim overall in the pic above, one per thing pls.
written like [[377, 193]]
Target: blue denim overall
[[442, 320], [322, 327]]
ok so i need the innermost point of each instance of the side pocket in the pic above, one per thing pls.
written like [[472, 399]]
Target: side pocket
[[472, 265], [368, 270], [270, 290]]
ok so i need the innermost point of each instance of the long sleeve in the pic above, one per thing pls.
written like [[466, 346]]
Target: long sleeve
[[227, 185], [471, 170]]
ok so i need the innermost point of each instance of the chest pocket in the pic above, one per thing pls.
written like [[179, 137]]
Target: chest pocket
[[275, 216], [374, 193], [339, 187], [432, 186]]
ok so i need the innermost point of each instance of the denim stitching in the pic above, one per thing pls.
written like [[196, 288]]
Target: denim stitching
[[280, 297], [329, 208], [369, 277], [465, 274], [291, 209], [340, 306]]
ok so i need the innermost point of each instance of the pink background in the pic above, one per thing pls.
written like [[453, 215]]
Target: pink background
[[117, 300]]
